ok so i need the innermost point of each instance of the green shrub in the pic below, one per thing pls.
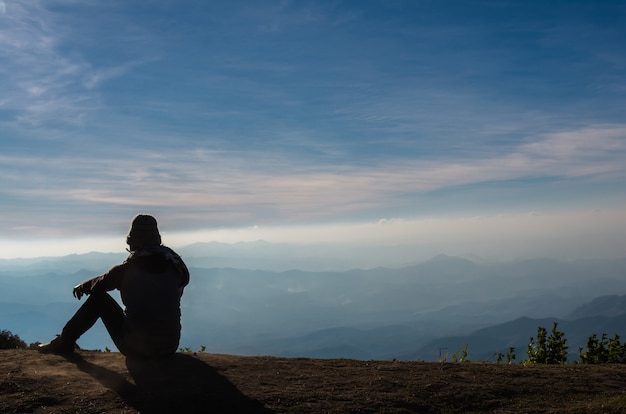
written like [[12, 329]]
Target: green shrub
[[548, 349], [9, 340], [603, 351]]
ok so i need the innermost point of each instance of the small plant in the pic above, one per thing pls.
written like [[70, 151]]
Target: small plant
[[510, 356], [603, 351], [537, 348], [548, 349], [9, 340], [443, 354], [557, 348], [460, 355], [617, 351]]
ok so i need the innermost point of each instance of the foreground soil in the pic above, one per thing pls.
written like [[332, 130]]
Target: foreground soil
[[96, 382]]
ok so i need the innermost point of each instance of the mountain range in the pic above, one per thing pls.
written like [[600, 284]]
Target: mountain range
[[410, 312]]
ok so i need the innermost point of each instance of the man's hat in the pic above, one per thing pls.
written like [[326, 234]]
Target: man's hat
[[143, 232]]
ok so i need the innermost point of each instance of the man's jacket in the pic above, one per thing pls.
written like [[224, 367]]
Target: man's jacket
[[151, 283]]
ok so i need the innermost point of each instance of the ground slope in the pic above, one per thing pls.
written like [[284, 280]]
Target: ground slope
[[95, 382]]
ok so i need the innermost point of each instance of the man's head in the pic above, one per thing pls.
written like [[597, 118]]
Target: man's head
[[143, 232]]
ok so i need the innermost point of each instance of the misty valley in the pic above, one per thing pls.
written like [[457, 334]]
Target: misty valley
[[415, 312]]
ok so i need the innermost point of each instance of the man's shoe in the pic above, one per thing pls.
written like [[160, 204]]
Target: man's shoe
[[57, 346]]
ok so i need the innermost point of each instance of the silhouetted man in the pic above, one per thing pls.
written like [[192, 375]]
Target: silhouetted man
[[151, 283]]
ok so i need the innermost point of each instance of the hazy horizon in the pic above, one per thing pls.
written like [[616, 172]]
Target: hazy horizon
[[281, 255]]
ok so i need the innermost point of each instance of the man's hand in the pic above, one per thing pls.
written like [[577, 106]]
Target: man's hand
[[78, 292]]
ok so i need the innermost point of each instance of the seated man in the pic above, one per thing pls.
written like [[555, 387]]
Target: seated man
[[151, 283]]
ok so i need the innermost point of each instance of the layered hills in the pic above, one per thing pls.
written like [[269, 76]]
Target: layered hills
[[410, 312]]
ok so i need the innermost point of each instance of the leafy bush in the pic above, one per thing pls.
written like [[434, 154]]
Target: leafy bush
[[548, 349], [9, 340], [603, 351]]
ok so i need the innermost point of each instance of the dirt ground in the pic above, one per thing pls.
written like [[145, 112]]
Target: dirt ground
[[96, 382]]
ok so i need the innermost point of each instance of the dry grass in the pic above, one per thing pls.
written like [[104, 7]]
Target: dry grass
[[94, 382]]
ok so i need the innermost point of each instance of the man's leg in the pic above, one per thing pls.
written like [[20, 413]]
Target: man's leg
[[99, 305]]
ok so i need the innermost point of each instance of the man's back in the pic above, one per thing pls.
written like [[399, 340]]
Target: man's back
[[151, 291]]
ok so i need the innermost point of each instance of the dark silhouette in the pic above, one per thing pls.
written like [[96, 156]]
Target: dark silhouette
[[151, 283], [180, 383]]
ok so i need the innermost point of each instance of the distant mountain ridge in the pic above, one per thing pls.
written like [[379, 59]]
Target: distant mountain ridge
[[608, 305], [602, 315], [371, 313]]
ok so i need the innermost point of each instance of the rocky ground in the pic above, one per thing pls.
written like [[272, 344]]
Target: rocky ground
[[98, 382]]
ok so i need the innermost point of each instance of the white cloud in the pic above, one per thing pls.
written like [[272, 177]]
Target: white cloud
[[248, 186], [602, 142]]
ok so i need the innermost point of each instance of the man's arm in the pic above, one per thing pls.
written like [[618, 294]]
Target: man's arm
[[108, 281]]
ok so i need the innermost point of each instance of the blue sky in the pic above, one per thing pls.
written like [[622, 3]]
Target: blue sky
[[466, 126]]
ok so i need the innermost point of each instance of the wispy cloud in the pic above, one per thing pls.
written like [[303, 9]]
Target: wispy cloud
[[46, 79], [94, 78], [236, 188], [38, 81]]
